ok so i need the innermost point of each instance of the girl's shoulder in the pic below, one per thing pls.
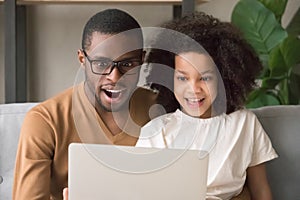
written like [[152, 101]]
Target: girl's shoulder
[[242, 112], [242, 115]]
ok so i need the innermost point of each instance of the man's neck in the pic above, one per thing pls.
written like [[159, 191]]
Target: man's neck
[[114, 121]]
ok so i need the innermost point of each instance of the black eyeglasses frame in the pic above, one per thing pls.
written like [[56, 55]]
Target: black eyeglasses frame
[[112, 65]]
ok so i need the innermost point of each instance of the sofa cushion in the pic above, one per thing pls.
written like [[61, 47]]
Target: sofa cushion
[[282, 124], [11, 118]]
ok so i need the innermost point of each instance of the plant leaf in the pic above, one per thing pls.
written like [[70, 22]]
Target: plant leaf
[[258, 25], [270, 83], [284, 56], [283, 92], [276, 6], [263, 99], [253, 95], [295, 85], [293, 27], [277, 63], [290, 49]]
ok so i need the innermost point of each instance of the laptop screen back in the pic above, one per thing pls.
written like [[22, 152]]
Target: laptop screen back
[[109, 172]]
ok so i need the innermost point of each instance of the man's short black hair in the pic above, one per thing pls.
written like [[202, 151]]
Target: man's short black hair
[[110, 21]]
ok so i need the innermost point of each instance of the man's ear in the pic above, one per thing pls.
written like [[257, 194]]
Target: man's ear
[[81, 57]]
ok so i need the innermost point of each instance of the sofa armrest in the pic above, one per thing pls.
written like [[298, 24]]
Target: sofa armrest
[[11, 118], [282, 124]]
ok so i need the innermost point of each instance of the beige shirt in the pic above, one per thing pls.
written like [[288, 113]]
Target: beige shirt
[[234, 142], [41, 170]]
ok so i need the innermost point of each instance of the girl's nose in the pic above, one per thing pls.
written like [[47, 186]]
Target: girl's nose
[[197, 86]]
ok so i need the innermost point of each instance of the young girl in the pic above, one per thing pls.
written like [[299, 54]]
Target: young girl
[[210, 88]]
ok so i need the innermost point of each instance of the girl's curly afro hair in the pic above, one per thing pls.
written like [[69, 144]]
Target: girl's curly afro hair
[[235, 59]]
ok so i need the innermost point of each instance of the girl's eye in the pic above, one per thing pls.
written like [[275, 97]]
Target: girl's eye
[[206, 78], [181, 78]]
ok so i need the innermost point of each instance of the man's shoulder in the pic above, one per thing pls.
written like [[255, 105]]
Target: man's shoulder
[[143, 97], [141, 104], [55, 103], [145, 93], [62, 96]]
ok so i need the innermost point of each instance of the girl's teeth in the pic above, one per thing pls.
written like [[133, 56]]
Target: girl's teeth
[[195, 100]]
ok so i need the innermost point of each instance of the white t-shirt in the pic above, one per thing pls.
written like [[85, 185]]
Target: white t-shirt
[[235, 142]]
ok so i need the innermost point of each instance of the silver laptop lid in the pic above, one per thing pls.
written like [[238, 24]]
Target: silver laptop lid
[[109, 172]]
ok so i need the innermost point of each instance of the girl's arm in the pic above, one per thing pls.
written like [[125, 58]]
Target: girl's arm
[[258, 183]]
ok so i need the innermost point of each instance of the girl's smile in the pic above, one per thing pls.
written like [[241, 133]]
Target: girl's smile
[[195, 83]]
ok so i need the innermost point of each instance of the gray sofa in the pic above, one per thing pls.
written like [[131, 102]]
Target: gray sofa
[[11, 118], [282, 123]]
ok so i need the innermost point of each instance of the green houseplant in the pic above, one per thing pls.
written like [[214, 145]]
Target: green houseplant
[[277, 47]]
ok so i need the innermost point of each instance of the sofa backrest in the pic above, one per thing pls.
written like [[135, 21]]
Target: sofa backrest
[[11, 118], [282, 123]]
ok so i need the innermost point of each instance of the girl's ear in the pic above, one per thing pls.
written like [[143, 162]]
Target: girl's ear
[[81, 57]]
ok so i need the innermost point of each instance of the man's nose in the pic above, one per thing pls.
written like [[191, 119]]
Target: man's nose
[[115, 74]]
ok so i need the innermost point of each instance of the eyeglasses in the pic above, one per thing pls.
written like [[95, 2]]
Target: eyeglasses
[[101, 66]]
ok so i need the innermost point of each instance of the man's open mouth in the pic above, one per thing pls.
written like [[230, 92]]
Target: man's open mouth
[[113, 93]]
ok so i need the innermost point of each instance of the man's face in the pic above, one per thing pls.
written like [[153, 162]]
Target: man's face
[[111, 92], [195, 83]]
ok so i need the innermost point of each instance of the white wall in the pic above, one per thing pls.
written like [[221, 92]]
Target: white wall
[[54, 35], [291, 9], [1, 55], [221, 9]]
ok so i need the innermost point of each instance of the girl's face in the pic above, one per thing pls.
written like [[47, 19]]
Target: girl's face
[[195, 83]]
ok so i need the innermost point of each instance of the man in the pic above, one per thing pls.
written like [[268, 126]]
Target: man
[[105, 108]]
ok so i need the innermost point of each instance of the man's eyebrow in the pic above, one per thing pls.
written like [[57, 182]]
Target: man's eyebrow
[[97, 56], [127, 58], [115, 60], [101, 58]]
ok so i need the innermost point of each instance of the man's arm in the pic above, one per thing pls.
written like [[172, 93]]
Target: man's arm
[[34, 158]]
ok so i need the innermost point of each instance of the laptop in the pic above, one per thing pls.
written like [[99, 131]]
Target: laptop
[[110, 172]]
